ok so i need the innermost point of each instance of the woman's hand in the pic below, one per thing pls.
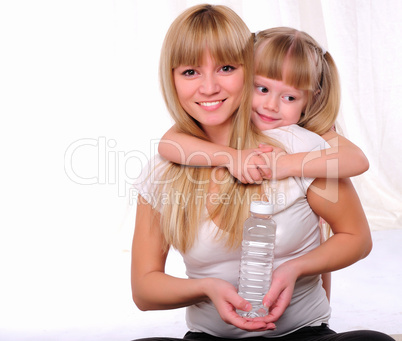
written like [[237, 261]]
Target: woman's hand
[[226, 300], [280, 294]]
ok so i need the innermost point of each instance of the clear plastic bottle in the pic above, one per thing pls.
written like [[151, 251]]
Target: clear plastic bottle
[[257, 257]]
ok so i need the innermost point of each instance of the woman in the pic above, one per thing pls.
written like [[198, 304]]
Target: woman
[[206, 76]]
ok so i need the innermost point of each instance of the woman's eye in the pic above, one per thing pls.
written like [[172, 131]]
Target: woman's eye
[[228, 68], [189, 72], [262, 89]]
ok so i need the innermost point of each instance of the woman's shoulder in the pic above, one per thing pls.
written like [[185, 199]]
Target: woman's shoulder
[[152, 165], [150, 176]]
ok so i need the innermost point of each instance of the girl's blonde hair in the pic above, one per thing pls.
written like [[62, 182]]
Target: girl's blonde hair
[[227, 38], [307, 67]]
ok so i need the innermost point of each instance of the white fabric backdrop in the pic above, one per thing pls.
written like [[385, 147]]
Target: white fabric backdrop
[[81, 111]]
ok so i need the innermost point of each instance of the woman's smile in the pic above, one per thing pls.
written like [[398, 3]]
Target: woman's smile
[[211, 105]]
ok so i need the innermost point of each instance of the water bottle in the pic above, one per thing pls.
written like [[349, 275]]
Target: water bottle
[[257, 257]]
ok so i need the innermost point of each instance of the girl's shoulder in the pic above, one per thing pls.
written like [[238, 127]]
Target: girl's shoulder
[[296, 139]]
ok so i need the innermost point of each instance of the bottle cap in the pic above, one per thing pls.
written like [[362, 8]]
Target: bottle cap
[[261, 207]]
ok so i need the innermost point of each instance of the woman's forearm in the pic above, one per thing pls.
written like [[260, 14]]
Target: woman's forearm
[[338, 252], [159, 291]]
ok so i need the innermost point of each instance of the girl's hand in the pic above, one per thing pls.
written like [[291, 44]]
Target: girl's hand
[[277, 160], [226, 300], [249, 165]]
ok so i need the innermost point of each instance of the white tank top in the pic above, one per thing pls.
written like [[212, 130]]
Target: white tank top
[[297, 234]]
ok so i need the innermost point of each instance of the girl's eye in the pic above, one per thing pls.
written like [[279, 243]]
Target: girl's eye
[[262, 89], [289, 98], [228, 68]]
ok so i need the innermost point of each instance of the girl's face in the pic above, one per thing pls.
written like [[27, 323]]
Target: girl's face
[[276, 104], [210, 93]]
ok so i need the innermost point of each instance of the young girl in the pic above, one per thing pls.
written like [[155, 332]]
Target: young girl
[[200, 211], [281, 98]]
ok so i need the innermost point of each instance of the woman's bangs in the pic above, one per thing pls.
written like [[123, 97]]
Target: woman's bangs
[[187, 50], [226, 49], [202, 35]]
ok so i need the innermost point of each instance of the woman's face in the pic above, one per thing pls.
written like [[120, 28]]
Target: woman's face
[[210, 93]]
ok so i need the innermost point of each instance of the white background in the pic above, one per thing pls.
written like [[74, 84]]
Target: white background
[[81, 111]]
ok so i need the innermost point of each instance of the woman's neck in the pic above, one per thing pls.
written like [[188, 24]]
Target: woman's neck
[[218, 134]]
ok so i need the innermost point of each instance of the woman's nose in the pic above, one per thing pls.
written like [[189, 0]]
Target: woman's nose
[[210, 85]]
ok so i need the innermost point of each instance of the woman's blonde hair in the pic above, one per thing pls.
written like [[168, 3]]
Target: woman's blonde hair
[[307, 67], [227, 38]]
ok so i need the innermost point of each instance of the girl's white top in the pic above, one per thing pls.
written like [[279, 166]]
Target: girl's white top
[[297, 233]]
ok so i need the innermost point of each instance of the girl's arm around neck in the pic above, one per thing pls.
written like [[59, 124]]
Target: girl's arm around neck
[[185, 149], [344, 159], [247, 165]]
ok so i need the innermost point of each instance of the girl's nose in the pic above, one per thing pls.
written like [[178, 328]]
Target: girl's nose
[[209, 85], [271, 103]]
